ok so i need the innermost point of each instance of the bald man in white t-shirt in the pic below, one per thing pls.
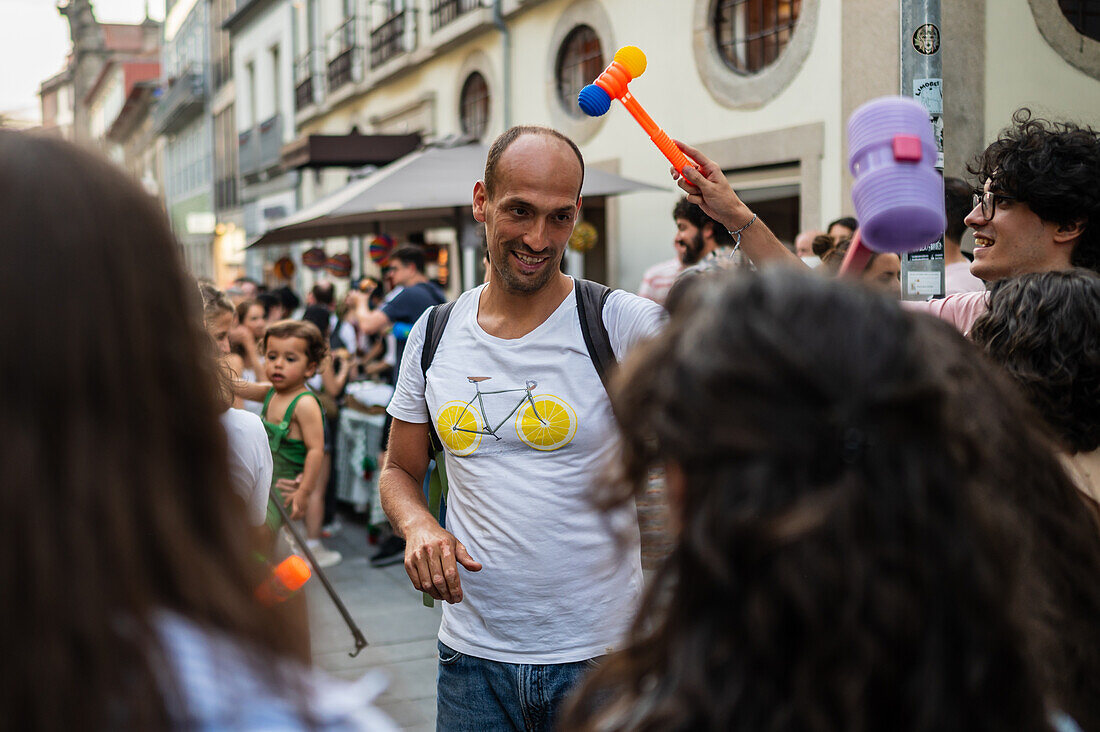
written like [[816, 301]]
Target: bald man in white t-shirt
[[536, 585]]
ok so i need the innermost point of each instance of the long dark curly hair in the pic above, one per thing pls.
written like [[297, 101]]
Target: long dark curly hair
[[115, 498], [1044, 329], [1053, 167], [847, 558]]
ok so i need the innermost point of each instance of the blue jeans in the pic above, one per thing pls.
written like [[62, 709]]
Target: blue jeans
[[478, 695]]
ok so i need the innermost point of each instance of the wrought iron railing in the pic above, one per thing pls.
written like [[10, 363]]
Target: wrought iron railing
[[225, 193], [443, 12], [304, 75], [342, 54], [260, 148], [181, 101], [388, 39]]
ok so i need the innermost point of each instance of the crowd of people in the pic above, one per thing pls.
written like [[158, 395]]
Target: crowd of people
[[884, 516]]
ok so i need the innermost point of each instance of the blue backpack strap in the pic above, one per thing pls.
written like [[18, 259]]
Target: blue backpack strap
[[591, 297]]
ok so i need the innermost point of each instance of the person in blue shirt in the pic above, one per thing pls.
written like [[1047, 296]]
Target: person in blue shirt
[[417, 294]]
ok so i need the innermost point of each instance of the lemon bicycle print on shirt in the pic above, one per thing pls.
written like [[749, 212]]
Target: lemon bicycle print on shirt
[[542, 421]]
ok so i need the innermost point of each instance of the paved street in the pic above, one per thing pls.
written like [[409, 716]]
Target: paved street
[[400, 630]]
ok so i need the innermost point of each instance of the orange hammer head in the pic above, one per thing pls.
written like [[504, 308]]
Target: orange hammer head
[[595, 99]]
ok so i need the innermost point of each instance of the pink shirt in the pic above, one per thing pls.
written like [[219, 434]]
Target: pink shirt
[[658, 280], [961, 310], [958, 279]]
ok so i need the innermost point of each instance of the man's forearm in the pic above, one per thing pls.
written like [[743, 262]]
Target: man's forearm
[[402, 497], [758, 242]]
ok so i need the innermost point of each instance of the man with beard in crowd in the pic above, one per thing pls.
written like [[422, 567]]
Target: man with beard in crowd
[[697, 235]]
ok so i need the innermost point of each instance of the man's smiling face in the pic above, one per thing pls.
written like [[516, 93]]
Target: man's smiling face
[[531, 213], [1014, 240]]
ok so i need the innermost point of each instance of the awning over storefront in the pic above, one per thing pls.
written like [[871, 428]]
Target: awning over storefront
[[350, 151], [430, 183]]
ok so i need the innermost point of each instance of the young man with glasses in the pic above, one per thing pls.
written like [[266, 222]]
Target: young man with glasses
[[1037, 210]]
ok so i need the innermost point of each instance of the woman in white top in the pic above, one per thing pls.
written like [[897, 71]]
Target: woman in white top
[[250, 462], [125, 562]]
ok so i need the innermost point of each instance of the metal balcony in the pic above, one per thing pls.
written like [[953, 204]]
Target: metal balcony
[[180, 103], [443, 12], [260, 148], [343, 54], [388, 40], [305, 78]]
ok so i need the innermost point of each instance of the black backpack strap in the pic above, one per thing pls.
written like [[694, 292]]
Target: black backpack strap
[[433, 333], [591, 297]]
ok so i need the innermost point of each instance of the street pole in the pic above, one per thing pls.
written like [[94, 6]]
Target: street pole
[[922, 271]]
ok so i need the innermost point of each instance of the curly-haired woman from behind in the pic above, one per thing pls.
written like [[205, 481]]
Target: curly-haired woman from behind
[[844, 559], [1044, 329], [125, 565]]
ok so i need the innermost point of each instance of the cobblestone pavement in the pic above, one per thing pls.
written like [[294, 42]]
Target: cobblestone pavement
[[400, 630]]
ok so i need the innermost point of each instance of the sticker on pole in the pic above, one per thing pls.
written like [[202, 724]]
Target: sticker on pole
[[929, 92], [923, 284], [926, 39]]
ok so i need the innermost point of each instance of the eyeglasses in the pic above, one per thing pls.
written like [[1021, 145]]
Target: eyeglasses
[[988, 201]]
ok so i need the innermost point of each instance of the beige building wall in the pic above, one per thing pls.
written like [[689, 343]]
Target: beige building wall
[[843, 53], [1023, 69], [806, 105]]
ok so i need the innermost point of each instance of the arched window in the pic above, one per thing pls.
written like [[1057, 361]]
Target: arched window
[[1084, 15], [580, 61], [474, 106], [751, 34]]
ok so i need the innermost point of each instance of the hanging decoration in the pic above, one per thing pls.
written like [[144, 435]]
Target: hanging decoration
[[314, 258], [284, 268], [380, 248], [584, 237], [339, 265]]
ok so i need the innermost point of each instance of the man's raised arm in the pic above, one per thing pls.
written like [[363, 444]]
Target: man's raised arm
[[431, 553], [708, 189]]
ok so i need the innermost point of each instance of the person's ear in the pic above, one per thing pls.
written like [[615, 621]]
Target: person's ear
[[481, 199], [1066, 233]]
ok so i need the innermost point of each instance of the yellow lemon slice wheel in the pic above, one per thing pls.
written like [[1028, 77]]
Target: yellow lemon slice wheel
[[556, 428], [458, 427]]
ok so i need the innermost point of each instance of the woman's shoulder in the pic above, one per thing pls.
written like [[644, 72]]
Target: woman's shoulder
[[240, 424], [222, 684]]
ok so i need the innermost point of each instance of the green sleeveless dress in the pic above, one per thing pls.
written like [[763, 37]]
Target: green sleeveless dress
[[288, 456]]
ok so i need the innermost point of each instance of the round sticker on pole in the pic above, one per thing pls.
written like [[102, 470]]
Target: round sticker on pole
[[926, 39]]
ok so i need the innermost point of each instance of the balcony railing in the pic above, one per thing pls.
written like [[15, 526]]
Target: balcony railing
[[181, 102], [260, 148], [248, 152], [388, 39], [443, 12], [225, 193], [305, 74], [343, 53]]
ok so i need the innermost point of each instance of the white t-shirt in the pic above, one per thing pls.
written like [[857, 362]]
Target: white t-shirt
[[555, 586], [249, 461]]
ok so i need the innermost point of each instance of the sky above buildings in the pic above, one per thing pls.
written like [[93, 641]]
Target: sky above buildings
[[34, 41]]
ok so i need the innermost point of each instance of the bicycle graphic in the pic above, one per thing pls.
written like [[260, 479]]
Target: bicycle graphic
[[543, 421]]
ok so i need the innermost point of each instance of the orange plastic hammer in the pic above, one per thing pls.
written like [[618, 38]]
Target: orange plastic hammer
[[595, 99]]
